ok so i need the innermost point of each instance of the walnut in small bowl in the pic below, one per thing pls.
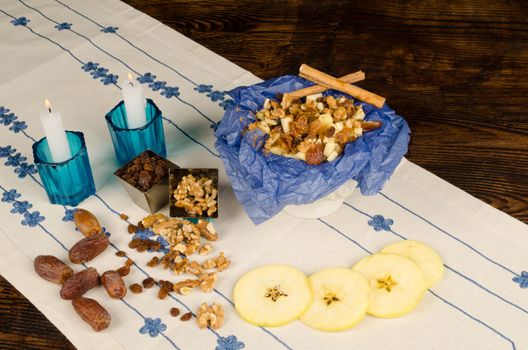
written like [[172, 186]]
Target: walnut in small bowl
[[194, 193]]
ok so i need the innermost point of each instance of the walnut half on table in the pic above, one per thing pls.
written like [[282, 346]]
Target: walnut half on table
[[314, 131]]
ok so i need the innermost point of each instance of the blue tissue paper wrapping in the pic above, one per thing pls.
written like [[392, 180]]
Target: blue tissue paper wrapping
[[265, 183]]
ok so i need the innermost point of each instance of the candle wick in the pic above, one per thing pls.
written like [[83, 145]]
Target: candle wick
[[131, 83], [49, 109]]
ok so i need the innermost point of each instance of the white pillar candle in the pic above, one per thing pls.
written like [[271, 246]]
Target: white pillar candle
[[55, 134], [134, 103]]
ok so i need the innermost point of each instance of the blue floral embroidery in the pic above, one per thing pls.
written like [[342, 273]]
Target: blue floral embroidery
[[157, 85], [522, 280], [110, 79], [15, 160], [225, 103], [169, 92], [18, 126], [89, 66], [20, 21], [153, 327], [21, 207], [146, 78], [3, 110], [68, 214], [229, 343], [99, 72], [7, 119], [10, 196], [379, 223], [216, 95], [6, 151], [143, 234], [25, 169], [109, 29], [202, 88], [32, 219], [164, 245], [63, 25]]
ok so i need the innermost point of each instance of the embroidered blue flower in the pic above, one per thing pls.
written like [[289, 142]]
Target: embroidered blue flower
[[202, 88], [226, 103], [15, 160], [63, 25], [153, 327], [7, 119], [10, 196], [169, 92], [89, 66], [146, 78], [108, 234], [25, 169], [21, 207], [32, 219], [109, 29], [216, 96], [229, 343], [18, 126], [99, 72], [155, 86], [3, 110], [110, 79], [522, 280], [6, 151], [20, 21], [164, 245], [379, 223], [143, 234], [68, 214]]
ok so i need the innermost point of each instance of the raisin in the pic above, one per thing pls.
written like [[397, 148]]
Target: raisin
[[186, 317], [123, 216], [135, 288], [174, 311], [120, 253], [148, 282], [153, 262], [132, 229], [123, 271], [162, 294]]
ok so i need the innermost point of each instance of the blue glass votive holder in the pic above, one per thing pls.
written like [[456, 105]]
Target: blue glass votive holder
[[68, 182], [129, 143]]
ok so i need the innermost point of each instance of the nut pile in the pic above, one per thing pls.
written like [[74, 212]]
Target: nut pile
[[314, 131], [185, 240], [145, 171], [210, 316], [196, 196]]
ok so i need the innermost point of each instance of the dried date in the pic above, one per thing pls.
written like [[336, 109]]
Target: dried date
[[88, 248], [114, 284], [52, 269], [86, 222], [92, 313], [80, 283]]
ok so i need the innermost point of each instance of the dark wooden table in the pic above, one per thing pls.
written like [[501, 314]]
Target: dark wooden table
[[456, 70]]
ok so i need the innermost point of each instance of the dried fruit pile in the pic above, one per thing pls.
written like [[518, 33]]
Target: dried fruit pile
[[145, 171], [313, 131], [185, 240]]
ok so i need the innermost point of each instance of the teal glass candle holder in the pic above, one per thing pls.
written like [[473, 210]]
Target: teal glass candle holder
[[129, 143], [68, 182]]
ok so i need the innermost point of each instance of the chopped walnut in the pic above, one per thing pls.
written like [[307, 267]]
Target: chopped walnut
[[194, 268], [207, 230], [153, 219], [221, 262], [207, 281], [185, 284], [209, 264], [205, 249], [210, 316], [196, 196]]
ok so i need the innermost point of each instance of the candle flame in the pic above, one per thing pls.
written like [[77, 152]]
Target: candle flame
[[129, 76], [47, 103]]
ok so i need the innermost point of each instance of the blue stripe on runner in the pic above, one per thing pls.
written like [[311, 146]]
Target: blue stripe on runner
[[450, 235], [129, 42], [434, 293], [467, 278], [42, 227]]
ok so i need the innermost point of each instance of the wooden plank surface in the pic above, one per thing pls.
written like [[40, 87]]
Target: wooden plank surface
[[456, 70]]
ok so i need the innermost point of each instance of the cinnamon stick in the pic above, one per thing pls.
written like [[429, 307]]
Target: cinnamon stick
[[315, 89], [330, 82]]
